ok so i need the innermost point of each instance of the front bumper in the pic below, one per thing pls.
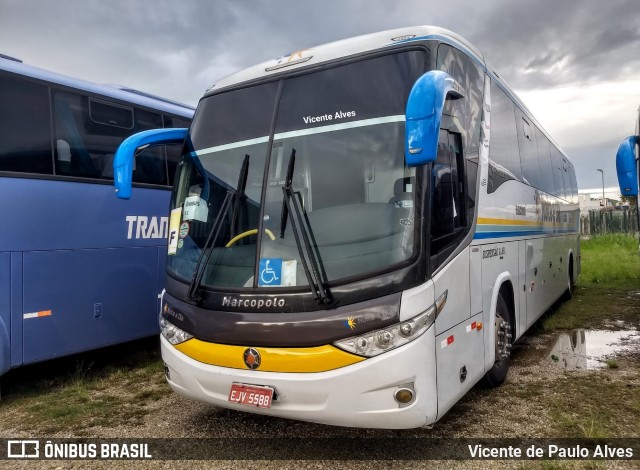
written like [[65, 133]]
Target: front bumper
[[357, 395]]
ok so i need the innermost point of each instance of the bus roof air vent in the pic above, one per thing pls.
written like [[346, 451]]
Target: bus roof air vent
[[403, 38], [288, 60]]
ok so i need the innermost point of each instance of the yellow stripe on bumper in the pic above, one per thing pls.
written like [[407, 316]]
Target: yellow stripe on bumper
[[316, 359]]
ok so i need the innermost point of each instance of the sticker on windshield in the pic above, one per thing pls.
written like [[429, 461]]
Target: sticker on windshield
[[270, 272], [289, 268], [174, 227], [184, 229], [195, 208], [403, 204]]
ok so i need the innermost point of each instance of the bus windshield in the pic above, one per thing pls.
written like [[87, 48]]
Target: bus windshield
[[339, 133]]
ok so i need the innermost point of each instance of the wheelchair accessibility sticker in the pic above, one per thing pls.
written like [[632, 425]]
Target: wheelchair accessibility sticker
[[270, 272]]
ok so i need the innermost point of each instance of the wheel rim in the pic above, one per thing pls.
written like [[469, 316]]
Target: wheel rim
[[502, 338]]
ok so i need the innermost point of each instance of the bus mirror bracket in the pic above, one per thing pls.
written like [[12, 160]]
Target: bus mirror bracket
[[123, 159], [424, 113], [627, 167]]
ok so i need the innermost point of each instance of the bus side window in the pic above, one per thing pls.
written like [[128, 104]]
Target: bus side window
[[88, 133], [25, 138], [547, 183], [528, 151], [173, 151], [150, 166], [574, 185], [448, 215], [556, 161], [504, 155], [70, 116], [468, 110]]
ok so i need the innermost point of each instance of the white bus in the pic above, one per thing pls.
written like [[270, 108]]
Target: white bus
[[359, 231]]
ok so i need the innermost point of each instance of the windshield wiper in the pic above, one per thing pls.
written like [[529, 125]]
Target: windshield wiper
[[239, 193], [236, 194], [287, 184], [305, 241]]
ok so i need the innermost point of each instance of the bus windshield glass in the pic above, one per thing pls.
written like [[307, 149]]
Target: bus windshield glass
[[339, 133]]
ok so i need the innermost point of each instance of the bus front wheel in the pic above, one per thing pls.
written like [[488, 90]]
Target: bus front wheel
[[502, 343]]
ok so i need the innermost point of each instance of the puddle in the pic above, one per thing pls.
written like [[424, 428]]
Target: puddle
[[590, 349]]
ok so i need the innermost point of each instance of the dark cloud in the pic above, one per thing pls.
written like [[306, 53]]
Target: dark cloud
[[544, 61], [577, 40], [560, 43]]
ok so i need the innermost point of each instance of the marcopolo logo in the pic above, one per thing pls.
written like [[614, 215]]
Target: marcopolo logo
[[228, 301], [252, 358]]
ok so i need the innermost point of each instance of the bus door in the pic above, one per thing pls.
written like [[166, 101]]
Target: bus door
[[459, 341]]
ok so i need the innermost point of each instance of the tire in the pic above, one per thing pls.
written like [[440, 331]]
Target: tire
[[569, 292], [498, 373]]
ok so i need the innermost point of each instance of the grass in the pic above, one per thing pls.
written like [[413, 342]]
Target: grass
[[610, 271], [612, 364], [611, 259], [108, 387]]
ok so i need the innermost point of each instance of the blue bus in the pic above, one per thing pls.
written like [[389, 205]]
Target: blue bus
[[79, 269], [628, 165]]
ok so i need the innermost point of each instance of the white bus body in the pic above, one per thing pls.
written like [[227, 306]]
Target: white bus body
[[491, 223]]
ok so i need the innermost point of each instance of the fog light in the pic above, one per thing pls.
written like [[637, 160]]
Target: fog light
[[404, 396]]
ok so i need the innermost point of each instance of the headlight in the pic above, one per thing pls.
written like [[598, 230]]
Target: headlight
[[172, 333], [376, 342]]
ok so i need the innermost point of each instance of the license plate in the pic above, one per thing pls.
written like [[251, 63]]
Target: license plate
[[252, 395]]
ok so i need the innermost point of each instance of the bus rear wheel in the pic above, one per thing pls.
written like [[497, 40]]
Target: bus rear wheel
[[570, 284], [502, 343]]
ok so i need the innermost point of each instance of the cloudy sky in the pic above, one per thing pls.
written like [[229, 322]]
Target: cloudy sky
[[575, 64]]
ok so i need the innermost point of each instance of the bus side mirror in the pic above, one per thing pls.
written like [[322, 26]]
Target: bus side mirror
[[424, 113], [123, 159], [626, 166]]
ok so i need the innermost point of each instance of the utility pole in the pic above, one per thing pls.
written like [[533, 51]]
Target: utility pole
[[604, 204]]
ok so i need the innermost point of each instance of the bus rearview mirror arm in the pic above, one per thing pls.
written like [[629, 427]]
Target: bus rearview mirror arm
[[123, 159], [424, 113], [627, 167]]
